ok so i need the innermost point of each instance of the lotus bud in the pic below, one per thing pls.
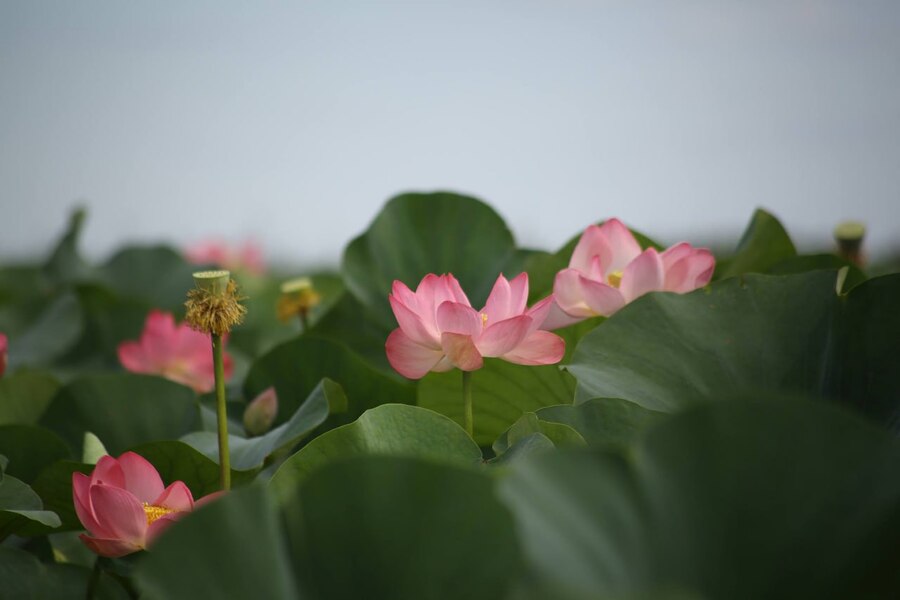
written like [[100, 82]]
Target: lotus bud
[[261, 412], [213, 306], [849, 236]]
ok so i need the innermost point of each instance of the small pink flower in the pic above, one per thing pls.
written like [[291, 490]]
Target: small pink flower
[[124, 506], [247, 257], [440, 330], [261, 412], [608, 270], [176, 352], [4, 345]]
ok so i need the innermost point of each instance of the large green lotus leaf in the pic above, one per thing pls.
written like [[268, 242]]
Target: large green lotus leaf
[[158, 276], [501, 391], [764, 244], [866, 359], [55, 332], [54, 486], [818, 262], [393, 429], [231, 548], [788, 334], [30, 449], [109, 320], [599, 422], [250, 453], [603, 421], [24, 293], [295, 368], [417, 234], [25, 395], [396, 528], [24, 577], [121, 409], [21, 509], [348, 323], [743, 499], [665, 351]]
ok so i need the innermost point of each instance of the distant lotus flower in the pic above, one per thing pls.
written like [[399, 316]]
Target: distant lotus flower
[[176, 352], [3, 350], [440, 330], [246, 257], [124, 506], [608, 270]]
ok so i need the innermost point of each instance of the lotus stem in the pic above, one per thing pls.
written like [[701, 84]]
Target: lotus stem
[[467, 403], [221, 414]]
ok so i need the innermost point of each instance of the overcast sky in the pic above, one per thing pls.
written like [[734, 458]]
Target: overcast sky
[[294, 121]]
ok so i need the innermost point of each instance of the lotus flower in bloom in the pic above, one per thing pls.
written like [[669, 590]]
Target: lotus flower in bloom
[[247, 257], [124, 505], [176, 352], [608, 269], [440, 330], [3, 349]]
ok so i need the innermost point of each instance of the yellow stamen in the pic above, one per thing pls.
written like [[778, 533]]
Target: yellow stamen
[[155, 512], [615, 278], [484, 318]]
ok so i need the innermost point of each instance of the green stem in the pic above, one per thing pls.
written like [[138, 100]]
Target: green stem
[[93, 580], [221, 414], [304, 320], [467, 403]]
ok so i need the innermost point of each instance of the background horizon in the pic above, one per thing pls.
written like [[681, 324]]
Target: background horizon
[[293, 123]]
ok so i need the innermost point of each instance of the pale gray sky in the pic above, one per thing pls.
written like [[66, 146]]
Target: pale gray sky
[[294, 121]]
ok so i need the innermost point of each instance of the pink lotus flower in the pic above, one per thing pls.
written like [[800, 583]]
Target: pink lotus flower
[[247, 257], [176, 352], [124, 506], [3, 350], [608, 270], [440, 330]]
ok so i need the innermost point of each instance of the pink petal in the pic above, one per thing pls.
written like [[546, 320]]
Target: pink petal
[[119, 513], [134, 359], [569, 295], [81, 498], [539, 312], [455, 290], [674, 254], [141, 477], [507, 298], [409, 358], [108, 547], [557, 318], [622, 246], [539, 348], [691, 270], [601, 298], [581, 297], [176, 497], [500, 338], [108, 471], [591, 244], [454, 317], [158, 337], [644, 274], [404, 295], [461, 351], [412, 325]]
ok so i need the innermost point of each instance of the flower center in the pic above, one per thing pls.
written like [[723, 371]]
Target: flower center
[[155, 512], [615, 278], [484, 318]]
